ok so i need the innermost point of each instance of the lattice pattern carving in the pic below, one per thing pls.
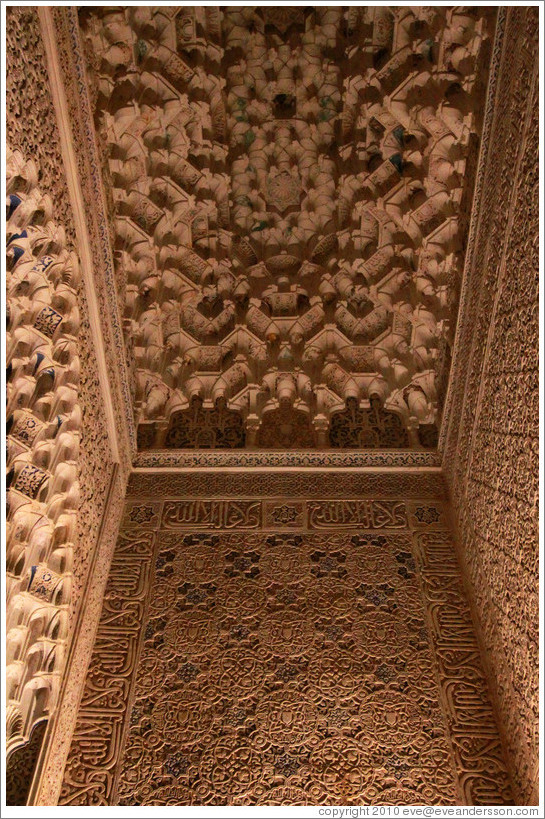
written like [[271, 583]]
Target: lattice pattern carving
[[332, 484], [43, 425], [280, 667], [360, 429], [491, 455], [290, 215]]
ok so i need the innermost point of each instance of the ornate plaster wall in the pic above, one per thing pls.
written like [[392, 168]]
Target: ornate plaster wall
[[491, 454], [489, 440], [62, 456], [260, 647]]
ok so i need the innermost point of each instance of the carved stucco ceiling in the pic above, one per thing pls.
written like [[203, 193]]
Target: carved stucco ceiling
[[290, 193]]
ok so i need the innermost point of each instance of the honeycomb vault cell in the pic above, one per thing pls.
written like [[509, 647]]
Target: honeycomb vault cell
[[290, 191]]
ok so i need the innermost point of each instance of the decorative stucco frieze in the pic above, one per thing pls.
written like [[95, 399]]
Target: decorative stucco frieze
[[272, 652]]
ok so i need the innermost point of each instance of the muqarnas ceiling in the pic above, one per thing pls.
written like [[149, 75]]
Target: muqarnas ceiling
[[290, 193]]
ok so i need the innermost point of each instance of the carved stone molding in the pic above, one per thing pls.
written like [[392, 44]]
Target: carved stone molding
[[309, 459], [79, 120], [335, 484]]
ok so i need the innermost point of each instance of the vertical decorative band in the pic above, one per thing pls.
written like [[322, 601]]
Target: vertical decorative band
[[89, 774]]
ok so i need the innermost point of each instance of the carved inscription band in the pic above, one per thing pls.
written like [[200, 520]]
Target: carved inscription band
[[98, 736], [249, 514]]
